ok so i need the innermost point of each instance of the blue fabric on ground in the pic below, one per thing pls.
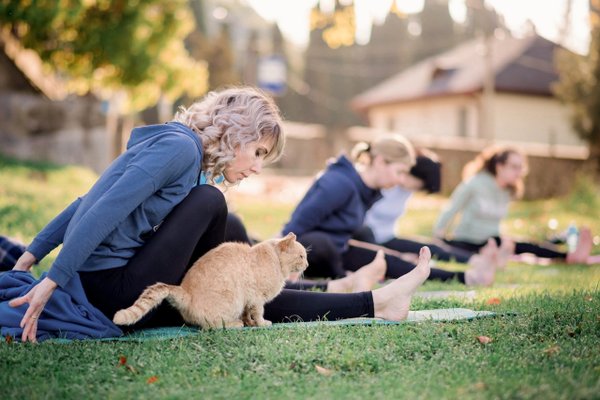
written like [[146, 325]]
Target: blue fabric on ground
[[68, 314]]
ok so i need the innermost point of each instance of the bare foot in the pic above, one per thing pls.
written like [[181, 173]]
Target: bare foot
[[363, 279], [584, 247], [483, 266], [392, 302], [506, 251]]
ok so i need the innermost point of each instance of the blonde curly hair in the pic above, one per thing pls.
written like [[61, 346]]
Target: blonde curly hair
[[231, 119], [393, 148]]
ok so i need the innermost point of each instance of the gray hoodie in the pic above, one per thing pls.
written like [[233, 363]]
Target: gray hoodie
[[104, 228]]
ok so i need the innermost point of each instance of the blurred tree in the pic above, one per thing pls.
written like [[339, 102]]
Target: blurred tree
[[216, 51], [337, 68], [578, 87], [132, 47], [220, 61]]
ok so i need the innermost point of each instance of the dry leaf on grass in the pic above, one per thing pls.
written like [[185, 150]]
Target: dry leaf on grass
[[484, 339], [550, 351], [493, 301], [131, 369], [323, 371], [122, 360], [152, 379]]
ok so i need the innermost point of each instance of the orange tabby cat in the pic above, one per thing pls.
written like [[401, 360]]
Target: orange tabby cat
[[226, 287]]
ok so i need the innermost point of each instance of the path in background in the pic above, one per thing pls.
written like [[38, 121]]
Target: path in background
[[271, 188], [290, 189]]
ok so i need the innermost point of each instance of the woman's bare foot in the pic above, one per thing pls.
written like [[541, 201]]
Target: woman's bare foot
[[392, 302], [363, 279], [483, 266], [505, 252], [584, 247]]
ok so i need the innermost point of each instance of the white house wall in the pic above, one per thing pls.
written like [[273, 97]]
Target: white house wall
[[533, 119], [437, 117], [522, 118]]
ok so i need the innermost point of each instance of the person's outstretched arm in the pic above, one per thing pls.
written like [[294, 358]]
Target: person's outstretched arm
[[458, 200]]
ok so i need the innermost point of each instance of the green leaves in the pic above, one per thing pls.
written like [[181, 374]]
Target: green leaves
[[111, 45]]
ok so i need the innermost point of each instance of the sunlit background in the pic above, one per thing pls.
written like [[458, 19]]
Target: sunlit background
[[559, 20]]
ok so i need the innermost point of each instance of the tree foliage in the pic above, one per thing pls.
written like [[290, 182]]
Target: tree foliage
[[578, 87], [135, 46], [218, 54]]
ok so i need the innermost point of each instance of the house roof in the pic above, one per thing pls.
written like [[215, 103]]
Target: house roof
[[520, 65]]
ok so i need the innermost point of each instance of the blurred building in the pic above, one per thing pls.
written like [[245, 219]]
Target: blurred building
[[499, 90]]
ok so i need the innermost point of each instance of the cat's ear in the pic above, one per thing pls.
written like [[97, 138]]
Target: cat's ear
[[286, 241]]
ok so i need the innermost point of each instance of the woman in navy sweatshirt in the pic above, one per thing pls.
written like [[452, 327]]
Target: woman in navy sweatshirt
[[334, 208], [147, 220]]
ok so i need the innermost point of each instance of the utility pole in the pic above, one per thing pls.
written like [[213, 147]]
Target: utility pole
[[488, 92]]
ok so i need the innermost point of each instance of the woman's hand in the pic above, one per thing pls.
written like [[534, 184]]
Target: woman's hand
[[37, 298], [25, 262]]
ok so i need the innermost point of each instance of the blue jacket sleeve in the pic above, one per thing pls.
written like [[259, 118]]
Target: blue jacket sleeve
[[328, 195], [53, 234], [146, 173]]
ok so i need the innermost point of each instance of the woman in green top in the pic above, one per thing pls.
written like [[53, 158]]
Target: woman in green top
[[490, 182]]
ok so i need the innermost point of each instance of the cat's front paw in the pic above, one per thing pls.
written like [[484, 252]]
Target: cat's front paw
[[264, 322]]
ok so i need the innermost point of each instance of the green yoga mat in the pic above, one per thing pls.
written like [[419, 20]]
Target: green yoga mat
[[441, 315]]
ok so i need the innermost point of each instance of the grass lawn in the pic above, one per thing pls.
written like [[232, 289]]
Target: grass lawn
[[547, 348]]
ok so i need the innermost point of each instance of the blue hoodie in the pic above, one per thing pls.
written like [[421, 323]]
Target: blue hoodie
[[104, 228], [335, 204]]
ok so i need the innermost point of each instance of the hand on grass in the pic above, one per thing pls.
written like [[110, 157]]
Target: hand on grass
[[25, 262], [37, 298]]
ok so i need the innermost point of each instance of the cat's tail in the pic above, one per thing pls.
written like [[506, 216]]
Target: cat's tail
[[148, 300]]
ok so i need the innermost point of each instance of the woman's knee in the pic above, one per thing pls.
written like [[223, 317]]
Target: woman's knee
[[321, 249], [318, 241], [209, 197]]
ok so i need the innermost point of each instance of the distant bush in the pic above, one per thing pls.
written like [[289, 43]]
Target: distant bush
[[584, 197]]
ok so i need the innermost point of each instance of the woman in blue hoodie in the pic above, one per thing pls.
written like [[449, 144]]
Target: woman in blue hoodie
[[334, 208], [147, 220]]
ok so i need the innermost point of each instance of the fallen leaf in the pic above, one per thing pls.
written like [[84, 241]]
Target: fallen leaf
[[484, 339], [323, 371], [152, 379], [8, 339], [480, 386], [131, 369], [550, 351], [493, 301], [122, 360], [588, 298]]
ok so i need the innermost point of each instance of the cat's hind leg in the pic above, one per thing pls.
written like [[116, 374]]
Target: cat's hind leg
[[233, 324]]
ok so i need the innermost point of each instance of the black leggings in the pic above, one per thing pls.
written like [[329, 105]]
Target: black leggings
[[520, 248], [194, 227], [324, 260], [442, 253], [446, 253]]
